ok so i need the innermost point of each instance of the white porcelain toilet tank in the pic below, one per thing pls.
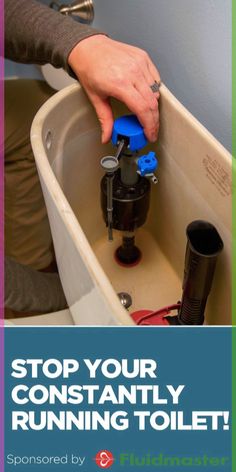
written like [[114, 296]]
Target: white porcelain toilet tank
[[56, 78], [194, 183]]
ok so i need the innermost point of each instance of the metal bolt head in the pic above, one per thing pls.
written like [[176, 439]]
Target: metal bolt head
[[125, 299]]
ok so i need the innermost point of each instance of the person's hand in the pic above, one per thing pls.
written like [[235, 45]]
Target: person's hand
[[107, 68]]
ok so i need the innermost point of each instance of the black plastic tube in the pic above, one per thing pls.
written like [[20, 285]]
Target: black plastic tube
[[203, 246]]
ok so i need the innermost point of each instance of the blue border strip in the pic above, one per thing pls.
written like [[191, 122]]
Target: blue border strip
[[1, 235]]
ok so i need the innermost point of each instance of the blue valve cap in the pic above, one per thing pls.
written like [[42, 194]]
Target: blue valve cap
[[147, 164], [129, 127]]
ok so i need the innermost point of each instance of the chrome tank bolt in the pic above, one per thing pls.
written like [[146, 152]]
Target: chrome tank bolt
[[125, 299]]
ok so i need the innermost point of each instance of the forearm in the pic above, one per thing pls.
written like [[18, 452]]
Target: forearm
[[105, 68], [36, 34]]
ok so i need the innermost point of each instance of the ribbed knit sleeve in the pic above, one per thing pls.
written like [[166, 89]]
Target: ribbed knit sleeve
[[36, 34]]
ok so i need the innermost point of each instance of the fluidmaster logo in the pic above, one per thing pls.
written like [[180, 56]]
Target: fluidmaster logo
[[162, 460], [104, 459]]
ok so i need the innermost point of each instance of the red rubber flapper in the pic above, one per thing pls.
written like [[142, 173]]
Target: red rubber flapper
[[154, 318]]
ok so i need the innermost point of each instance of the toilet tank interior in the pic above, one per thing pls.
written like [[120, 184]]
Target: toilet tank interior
[[184, 193]]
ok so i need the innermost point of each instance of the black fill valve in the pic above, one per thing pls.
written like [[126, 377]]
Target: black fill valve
[[125, 187]]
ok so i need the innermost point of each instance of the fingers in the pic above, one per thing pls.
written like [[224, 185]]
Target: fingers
[[153, 72], [107, 68], [143, 84], [150, 80], [145, 76], [150, 117], [105, 116], [140, 107]]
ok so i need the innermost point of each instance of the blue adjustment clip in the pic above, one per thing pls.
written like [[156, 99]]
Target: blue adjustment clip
[[147, 164], [129, 127]]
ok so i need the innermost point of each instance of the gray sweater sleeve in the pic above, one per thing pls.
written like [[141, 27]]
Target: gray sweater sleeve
[[36, 34]]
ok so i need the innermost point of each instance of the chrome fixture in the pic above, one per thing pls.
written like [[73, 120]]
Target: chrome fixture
[[125, 299], [82, 10]]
